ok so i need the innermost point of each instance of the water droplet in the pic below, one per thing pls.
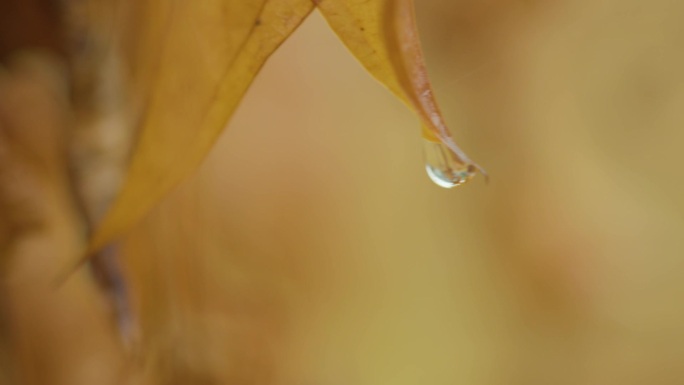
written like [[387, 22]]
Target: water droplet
[[444, 166]]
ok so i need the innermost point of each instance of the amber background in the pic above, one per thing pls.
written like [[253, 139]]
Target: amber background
[[312, 249]]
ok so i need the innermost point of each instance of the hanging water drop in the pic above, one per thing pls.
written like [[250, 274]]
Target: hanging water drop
[[444, 166]]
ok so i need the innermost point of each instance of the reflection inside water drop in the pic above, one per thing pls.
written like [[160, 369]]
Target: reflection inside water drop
[[444, 167]]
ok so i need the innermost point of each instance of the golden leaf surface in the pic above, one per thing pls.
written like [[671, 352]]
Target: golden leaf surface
[[383, 36], [195, 60]]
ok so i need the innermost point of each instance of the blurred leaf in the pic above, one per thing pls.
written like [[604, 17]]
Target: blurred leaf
[[202, 56]]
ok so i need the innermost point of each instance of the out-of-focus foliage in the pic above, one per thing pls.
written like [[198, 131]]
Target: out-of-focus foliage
[[48, 334], [193, 61]]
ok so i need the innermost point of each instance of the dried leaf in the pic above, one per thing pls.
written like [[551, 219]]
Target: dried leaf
[[201, 57], [382, 34]]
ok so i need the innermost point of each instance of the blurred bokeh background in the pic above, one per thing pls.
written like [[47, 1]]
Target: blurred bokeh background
[[311, 248]]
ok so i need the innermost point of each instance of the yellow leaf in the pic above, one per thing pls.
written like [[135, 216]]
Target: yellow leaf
[[383, 35], [193, 62]]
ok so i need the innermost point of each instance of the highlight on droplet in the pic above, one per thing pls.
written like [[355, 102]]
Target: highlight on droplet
[[446, 165]]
